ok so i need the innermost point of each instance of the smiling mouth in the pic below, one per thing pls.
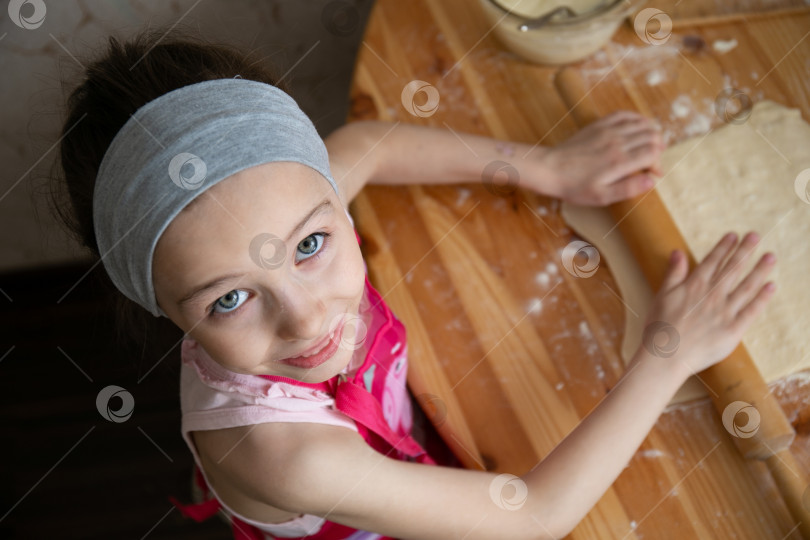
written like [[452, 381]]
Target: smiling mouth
[[320, 353]]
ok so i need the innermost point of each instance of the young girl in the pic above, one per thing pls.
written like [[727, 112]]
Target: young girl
[[212, 201]]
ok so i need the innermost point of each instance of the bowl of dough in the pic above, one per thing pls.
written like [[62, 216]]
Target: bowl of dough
[[555, 32]]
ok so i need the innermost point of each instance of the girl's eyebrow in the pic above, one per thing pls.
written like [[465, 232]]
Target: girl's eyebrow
[[324, 206]]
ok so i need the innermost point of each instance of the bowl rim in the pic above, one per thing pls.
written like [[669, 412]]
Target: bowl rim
[[570, 21]]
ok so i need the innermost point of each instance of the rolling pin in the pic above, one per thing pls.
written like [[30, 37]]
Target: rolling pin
[[739, 15], [651, 235]]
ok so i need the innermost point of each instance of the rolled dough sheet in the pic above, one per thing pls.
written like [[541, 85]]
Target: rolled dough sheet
[[738, 178]]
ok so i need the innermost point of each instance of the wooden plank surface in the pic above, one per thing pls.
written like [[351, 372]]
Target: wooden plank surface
[[466, 269], [720, 11]]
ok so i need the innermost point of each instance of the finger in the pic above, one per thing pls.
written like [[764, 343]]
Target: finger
[[618, 120], [628, 187], [640, 158], [752, 282], [642, 145], [640, 137], [733, 266], [620, 117], [707, 267], [630, 127], [749, 313], [677, 271]]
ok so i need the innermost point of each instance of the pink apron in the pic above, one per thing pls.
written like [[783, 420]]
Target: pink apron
[[366, 398]]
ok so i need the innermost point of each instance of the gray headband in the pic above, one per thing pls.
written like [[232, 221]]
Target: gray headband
[[173, 149]]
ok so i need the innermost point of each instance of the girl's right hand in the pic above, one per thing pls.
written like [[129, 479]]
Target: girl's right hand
[[698, 319]]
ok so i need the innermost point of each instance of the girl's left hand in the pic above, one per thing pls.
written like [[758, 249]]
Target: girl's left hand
[[609, 160]]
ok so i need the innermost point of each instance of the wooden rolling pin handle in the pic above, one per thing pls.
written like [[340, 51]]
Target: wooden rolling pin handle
[[793, 486], [651, 235], [679, 23]]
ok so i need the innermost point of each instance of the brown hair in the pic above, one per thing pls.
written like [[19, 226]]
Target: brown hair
[[125, 77]]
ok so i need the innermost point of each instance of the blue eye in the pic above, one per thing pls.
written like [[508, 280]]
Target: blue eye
[[230, 302], [310, 245]]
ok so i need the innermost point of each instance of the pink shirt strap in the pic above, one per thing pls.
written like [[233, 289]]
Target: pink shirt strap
[[356, 403]]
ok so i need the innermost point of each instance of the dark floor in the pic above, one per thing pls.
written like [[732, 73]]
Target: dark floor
[[73, 473]]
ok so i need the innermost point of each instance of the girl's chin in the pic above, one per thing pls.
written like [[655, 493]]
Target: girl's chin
[[332, 367]]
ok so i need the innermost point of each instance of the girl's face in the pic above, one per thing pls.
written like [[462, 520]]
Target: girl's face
[[283, 269]]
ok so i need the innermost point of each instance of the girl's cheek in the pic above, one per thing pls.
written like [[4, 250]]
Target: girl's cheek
[[241, 343], [244, 356], [353, 271]]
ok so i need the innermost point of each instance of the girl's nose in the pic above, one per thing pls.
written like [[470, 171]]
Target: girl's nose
[[302, 313]]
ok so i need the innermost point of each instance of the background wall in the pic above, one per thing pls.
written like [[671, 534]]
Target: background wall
[[66, 471], [316, 40]]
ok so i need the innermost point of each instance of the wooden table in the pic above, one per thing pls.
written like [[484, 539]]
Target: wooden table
[[507, 349]]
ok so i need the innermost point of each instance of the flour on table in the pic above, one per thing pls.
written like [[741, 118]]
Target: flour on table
[[681, 106], [463, 195], [655, 77], [584, 331], [723, 46], [700, 124], [535, 306]]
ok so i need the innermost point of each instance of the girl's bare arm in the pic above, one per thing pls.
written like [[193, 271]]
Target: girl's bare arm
[[331, 472], [598, 165]]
